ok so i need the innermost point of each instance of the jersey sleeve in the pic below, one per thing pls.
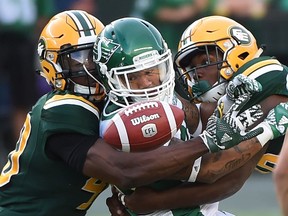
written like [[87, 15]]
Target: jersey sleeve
[[270, 73], [70, 114]]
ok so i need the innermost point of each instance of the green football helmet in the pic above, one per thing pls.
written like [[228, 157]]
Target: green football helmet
[[130, 45]]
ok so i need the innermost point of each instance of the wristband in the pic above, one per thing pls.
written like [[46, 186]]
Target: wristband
[[195, 170], [199, 126], [266, 135]]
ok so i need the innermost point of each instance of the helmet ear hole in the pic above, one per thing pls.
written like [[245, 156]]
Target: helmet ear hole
[[243, 56]]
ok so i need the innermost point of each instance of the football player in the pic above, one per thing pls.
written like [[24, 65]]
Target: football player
[[137, 67], [60, 165], [212, 51]]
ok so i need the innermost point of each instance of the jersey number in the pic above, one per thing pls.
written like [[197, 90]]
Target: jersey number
[[94, 186], [267, 162], [12, 166]]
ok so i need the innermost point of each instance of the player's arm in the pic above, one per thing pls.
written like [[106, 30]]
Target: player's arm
[[214, 166], [145, 200], [196, 115], [217, 165], [280, 176], [136, 169], [128, 170], [93, 157]]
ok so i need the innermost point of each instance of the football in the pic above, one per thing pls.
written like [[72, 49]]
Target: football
[[143, 126]]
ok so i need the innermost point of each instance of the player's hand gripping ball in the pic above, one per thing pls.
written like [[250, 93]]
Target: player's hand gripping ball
[[143, 126]]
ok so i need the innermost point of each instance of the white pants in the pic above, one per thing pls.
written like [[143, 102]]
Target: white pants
[[212, 210], [206, 210]]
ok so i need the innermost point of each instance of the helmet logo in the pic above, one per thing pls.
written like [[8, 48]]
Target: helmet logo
[[103, 49], [241, 35], [143, 57], [41, 48]]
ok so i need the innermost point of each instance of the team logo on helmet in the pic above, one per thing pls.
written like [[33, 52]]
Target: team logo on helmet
[[41, 48], [241, 35], [103, 49]]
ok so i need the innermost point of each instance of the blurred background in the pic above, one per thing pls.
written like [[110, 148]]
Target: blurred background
[[21, 22]]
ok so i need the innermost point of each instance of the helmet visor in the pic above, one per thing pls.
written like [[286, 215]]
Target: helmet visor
[[78, 65], [72, 60]]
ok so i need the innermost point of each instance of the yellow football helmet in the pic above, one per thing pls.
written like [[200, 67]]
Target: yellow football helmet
[[232, 44], [65, 50]]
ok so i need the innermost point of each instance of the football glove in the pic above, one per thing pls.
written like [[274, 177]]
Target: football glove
[[275, 124], [225, 132], [240, 85]]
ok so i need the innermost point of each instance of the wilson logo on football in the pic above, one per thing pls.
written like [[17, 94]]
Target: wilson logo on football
[[149, 130], [143, 119]]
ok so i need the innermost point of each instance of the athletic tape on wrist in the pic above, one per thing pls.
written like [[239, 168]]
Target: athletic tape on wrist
[[195, 170]]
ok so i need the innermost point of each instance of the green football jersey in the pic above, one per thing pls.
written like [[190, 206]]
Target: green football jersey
[[33, 184], [273, 77], [270, 73], [183, 134]]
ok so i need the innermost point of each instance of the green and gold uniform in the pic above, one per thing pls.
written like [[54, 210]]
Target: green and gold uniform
[[273, 77], [32, 183]]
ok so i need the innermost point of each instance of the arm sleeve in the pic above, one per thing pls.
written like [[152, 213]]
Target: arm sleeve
[[71, 148]]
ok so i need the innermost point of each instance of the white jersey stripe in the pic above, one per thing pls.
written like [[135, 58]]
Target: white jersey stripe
[[71, 102], [266, 69]]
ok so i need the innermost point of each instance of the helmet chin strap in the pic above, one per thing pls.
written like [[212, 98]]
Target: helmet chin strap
[[89, 74], [201, 87], [214, 94], [87, 90], [81, 89]]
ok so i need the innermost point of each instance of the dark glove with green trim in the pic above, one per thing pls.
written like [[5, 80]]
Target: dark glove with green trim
[[225, 132]]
